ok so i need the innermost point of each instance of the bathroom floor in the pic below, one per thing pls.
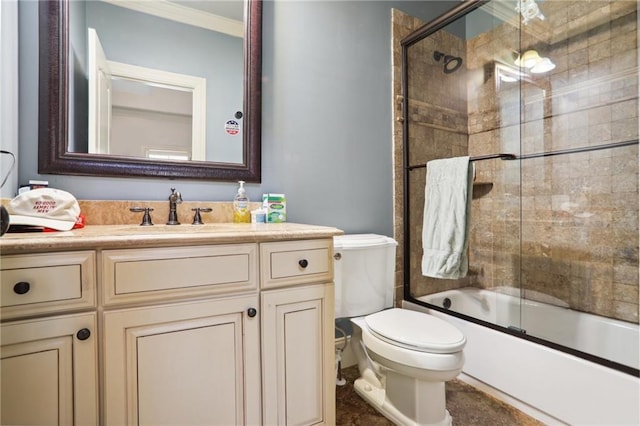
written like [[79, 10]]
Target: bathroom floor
[[467, 405]]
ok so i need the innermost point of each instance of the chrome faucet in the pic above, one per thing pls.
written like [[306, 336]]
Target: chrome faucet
[[174, 199]]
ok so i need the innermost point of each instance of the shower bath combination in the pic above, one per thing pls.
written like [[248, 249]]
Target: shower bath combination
[[557, 229], [451, 63]]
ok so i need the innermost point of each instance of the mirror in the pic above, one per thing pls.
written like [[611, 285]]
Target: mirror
[[64, 133]]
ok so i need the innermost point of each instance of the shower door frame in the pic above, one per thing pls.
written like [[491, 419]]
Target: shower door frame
[[466, 7]]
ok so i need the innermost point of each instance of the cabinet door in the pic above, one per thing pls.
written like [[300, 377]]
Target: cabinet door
[[49, 371], [298, 356], [194, 363]]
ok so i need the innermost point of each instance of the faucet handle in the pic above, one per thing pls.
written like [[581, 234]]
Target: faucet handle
[[146, 218], [175, 196], [197, 219]]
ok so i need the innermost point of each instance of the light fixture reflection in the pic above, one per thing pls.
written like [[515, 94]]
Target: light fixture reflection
[[545, 65], [528, 59], [534, 62]]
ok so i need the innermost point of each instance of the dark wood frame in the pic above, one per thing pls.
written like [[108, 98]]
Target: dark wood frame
[[53, 111]]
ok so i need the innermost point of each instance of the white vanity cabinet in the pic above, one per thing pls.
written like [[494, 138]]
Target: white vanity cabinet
[[220, 328], [191, 362], [48, 364], [297, 304], [49, 371], [169, 273], [298, 356], [183, 363]]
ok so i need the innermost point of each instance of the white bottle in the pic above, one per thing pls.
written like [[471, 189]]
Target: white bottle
[[241, 212]]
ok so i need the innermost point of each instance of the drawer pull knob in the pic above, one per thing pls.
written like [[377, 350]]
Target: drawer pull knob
[[22, 287], [252, 312], [303, 263], [83, 334]]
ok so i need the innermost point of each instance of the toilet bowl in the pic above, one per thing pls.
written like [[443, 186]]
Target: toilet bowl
[[404, 357], [403, 374]]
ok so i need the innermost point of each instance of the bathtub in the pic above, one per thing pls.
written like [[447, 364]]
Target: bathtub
[[548, 384]]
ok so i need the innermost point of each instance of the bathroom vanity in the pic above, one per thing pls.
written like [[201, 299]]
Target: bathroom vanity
[[220, 324]]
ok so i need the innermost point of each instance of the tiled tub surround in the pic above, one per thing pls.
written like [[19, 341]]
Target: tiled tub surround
[[578, 213], [438, 128], [567, 225], [563, 226]]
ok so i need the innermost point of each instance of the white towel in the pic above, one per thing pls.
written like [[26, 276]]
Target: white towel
[[447, 210]]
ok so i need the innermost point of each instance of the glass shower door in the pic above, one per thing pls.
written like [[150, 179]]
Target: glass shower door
[[580, 178], [464, 98], [553, 242]]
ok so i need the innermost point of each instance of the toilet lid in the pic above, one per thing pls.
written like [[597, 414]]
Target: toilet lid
[[416, 330], [360, 241]]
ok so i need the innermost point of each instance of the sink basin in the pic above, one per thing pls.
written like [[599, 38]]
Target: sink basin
[[176, 229]]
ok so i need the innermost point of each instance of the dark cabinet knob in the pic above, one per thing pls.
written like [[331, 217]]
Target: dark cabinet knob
[[83, 334], [303, 263], [22, 287], [252, 312]]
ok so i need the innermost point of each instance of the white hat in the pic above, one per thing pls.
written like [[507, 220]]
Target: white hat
[[48, 207]]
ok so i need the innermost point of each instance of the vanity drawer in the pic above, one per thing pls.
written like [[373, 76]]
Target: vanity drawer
[[139, 275], [45, 283], [296, 262]]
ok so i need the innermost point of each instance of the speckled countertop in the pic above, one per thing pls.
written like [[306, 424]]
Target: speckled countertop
[[119, 236], [111, 224]]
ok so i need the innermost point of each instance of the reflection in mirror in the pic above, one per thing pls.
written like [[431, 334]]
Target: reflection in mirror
[[147, 120], [142, 112], [146, 36], [147, 95]]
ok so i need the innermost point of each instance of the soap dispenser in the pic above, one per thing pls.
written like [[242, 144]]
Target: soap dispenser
[[241, 213]]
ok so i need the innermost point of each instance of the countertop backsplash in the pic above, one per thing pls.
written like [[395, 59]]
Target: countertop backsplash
[[107, 212]]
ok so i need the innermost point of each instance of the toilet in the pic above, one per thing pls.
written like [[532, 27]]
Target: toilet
[[404, 357]]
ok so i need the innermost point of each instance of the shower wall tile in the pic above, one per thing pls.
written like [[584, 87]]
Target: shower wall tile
[[579, 212], [565, 226], [624, 309], [625, 274], [402, 25], [437, 129]]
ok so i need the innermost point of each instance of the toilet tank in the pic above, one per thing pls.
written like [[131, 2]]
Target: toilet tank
[[364, 268]]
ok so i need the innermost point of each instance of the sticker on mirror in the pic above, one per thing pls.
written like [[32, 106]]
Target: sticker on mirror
[[232, 127]]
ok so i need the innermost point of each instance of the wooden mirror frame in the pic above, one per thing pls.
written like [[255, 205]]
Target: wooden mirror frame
[[53, 111]]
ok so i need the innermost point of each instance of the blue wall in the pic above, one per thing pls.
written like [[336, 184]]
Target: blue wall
[[326, 138]]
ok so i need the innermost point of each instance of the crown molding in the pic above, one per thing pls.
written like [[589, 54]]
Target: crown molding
[[185, 15]]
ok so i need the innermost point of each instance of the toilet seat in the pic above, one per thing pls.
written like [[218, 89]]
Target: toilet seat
[[418, 364], [415, 331]]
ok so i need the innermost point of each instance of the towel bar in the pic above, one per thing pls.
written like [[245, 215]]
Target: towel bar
[[542, 154]]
